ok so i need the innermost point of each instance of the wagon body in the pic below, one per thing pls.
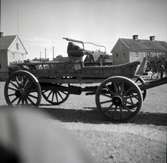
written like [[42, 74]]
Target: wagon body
[[71, 72]]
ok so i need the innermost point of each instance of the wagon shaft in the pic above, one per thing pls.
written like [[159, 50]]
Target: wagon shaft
[[153, 83]]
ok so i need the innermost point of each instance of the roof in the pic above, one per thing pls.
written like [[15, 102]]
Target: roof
[[5, 41], [144, 45]]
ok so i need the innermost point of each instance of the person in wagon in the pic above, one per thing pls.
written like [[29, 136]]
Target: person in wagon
[[75, 53]]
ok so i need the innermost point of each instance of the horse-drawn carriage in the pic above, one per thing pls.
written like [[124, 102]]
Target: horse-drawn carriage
[[118, 92]]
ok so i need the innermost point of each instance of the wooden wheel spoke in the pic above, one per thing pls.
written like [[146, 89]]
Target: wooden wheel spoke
[[26, 83], [131, 107], [26, 101], [56, 97], [129, 90], [122, 88], [18, 102], [106, 109], [29, 99], [14, 99], [64, 92], [22, 100], [32, 96], [52, 96], [44, 91], [107, 101], [109, 96], [49, 94], [12, 88], [127, 108], [131, 100], [19, 81], [135, 96], [111, 107], [130, 103], [60, 95], [16, 86], [115, 87], [109, 89], [16, 79], [13, 94]]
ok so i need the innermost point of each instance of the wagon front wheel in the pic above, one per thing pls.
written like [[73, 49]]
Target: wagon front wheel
[[119, 99], [22, 88]]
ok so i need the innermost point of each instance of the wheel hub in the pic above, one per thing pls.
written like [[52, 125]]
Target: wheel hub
[[117, 100], [20, 93]]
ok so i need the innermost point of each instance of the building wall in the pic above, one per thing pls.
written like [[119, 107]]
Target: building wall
[[16, 52], [15, 57], [3, 65], [137, 56], [120, 54]]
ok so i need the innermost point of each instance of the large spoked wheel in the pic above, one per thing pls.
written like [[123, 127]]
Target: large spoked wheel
[[56, 95], [140, 81], [119, 99], [22, 88]]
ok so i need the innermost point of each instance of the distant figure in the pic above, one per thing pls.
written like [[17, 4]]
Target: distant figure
[[28, 136], [74, 52]]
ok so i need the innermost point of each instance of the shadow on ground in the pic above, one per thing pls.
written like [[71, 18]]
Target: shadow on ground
[[91, 115]]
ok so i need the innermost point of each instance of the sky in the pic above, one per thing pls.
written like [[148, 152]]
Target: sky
[[42, 23]]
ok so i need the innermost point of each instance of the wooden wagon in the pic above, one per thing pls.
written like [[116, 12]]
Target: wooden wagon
[[118, 92]]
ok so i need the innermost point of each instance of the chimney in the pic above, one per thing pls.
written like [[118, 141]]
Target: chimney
[[135, 37], [152, 38]]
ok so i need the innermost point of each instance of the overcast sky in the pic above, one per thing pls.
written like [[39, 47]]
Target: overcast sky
[[43, 23]]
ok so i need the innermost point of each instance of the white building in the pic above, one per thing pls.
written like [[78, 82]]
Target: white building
[[12, 50]]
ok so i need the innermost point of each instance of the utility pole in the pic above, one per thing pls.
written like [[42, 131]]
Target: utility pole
[[53, 52], [40, 55], [45, 53]]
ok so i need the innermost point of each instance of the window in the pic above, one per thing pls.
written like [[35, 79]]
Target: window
[[17, 46], [116, 54], [0, 66]]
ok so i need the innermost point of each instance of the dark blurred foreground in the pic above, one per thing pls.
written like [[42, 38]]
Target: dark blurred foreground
[[29, 136]]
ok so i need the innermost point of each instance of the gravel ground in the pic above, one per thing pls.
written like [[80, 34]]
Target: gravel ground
[[143, 140]]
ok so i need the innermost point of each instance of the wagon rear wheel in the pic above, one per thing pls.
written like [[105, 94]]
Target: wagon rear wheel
[[22, 88], [56, 95], [119, 99]]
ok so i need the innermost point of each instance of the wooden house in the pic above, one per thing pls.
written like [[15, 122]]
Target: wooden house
[[129, 50], [12, 50]]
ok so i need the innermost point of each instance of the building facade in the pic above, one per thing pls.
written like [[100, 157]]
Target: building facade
[[12, 50], [129, 50]]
